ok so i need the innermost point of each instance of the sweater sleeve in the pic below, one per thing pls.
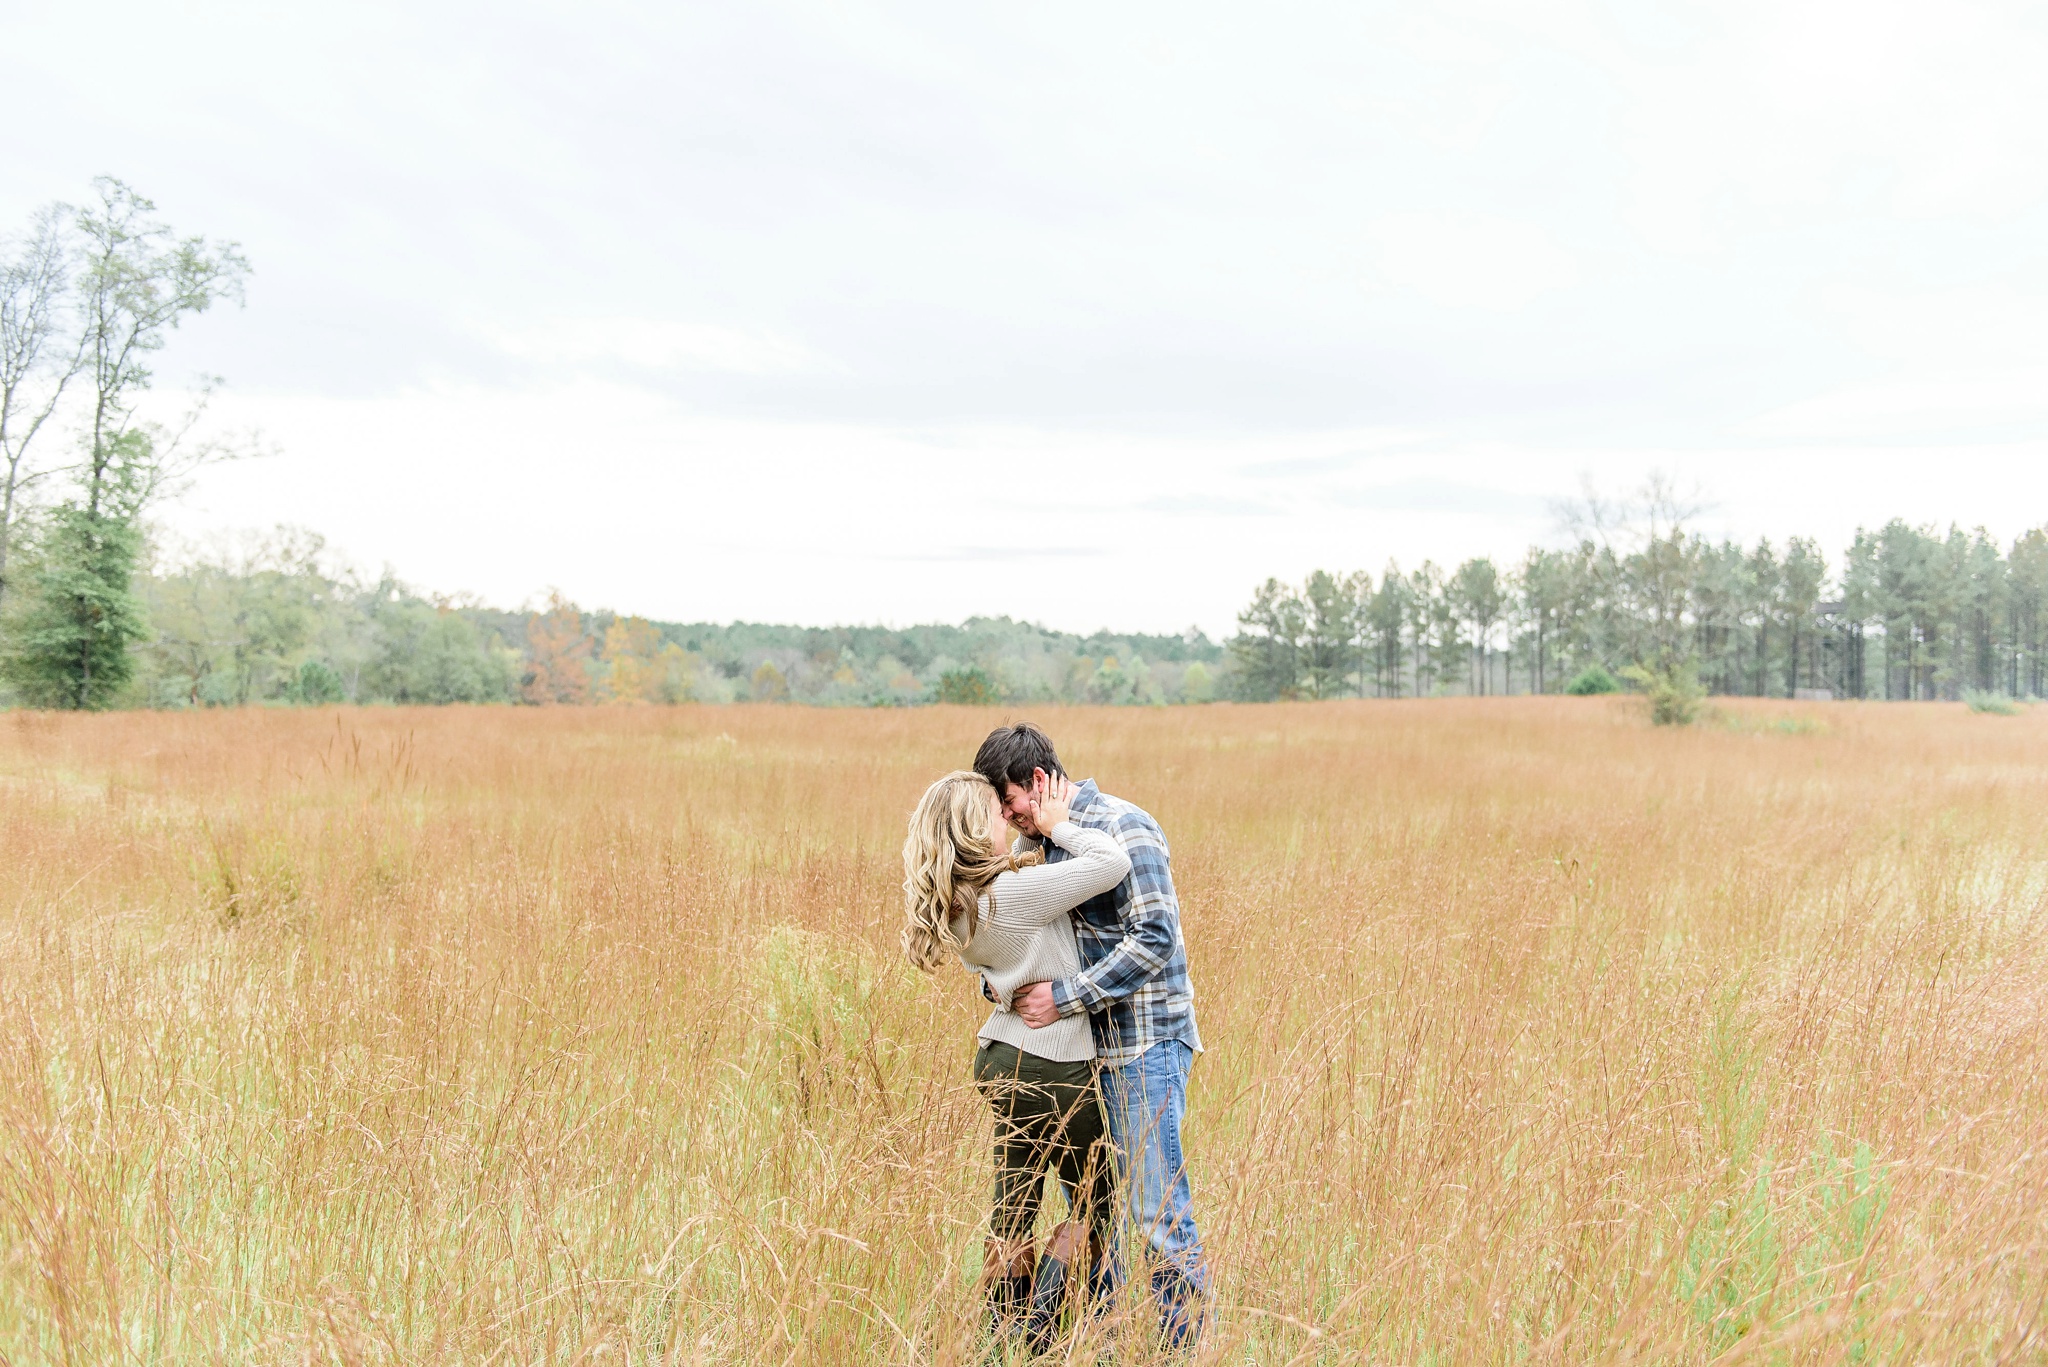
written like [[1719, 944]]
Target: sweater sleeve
[[1029, 898]]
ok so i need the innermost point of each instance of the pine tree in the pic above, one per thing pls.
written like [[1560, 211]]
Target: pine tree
[[1332, 605], [2027, 613], [1476, 598], [70, 633], [1387, 619], [1268, 644], [1544, 584], [1805, 574]]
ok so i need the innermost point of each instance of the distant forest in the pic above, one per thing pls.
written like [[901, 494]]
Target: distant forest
[[275, 620], [1912, 613]]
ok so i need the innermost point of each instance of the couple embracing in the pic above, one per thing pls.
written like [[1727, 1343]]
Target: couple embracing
[[1074, 931]]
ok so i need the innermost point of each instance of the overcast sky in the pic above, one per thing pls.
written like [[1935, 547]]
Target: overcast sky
[[1090, 314]]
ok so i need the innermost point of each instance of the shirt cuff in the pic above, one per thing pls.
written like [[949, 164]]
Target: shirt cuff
[[1064, 999]]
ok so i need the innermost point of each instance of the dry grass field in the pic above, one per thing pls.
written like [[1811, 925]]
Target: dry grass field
[[579, 1035]]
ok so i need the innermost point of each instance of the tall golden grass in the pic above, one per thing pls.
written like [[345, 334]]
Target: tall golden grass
[[1534, 1034]]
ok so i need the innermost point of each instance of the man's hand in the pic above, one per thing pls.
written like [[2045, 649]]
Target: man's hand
[[1033, 1002]]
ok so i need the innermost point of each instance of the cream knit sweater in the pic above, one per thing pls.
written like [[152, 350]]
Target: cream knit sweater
[[1024, 935]]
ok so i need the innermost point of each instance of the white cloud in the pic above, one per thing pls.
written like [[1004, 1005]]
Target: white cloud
[[1993, 323], [1782, 113], [1956, 359], [1467, 260], [657, 344], [1915, 409]]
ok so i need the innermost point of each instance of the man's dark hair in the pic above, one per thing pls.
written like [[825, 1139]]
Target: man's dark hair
[[1010, 754]]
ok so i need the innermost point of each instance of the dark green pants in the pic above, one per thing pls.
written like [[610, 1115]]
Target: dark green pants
[[1048, 1115]]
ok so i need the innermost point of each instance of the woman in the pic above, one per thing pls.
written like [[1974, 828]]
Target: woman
[[1005, 915]]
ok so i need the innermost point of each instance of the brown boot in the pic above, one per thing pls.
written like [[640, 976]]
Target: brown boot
[[1064, 1266], [1006, 1272], [1105, 1278]]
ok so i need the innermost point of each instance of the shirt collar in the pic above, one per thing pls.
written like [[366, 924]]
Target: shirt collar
[[1085, 793]]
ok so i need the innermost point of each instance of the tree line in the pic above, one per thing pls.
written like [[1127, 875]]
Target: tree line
[[1911, 612], [277, 619]]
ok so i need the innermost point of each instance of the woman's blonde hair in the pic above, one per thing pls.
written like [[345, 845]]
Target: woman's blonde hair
[[949, 859]]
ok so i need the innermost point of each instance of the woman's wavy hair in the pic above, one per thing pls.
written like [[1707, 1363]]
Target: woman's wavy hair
[[949, 860]]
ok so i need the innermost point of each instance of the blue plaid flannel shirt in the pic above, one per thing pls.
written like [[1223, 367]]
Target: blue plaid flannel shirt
[[1134, 965]]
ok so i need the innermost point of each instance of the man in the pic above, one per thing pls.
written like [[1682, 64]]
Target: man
[[1141, 1007]]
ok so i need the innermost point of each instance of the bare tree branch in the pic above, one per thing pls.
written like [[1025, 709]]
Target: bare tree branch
[[138, 281], [37, 360]]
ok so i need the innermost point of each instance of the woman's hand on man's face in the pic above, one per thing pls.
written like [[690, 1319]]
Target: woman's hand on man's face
[[1052, 795], [1017, 809]]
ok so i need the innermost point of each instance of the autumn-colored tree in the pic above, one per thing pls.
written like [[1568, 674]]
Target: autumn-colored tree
[[557, 655], [675, 673], [770, 683], [632, 649], [971, 685]]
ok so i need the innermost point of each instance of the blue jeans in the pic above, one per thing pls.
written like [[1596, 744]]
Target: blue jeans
[[1146, 1100]]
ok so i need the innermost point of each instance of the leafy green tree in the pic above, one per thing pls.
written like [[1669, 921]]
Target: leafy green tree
[[189, 611], [1109, 683], [135, 281], [1545, 586], [2027, 613], [430, 654], [1268, 645], [239, 627], [1862, 596], [1429, 623], [1331, 605], [1476, 597], [1803, 575], [1592, 681], [317, 685], [273, 617], [1948, 610], [1765, 581], [1593, 632], [69, 635], [1673, 690], [1720, 607], [970, 685], [1122, 683], [1387, 621], [1979, 595], [1905, 604], [1656, 583]]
